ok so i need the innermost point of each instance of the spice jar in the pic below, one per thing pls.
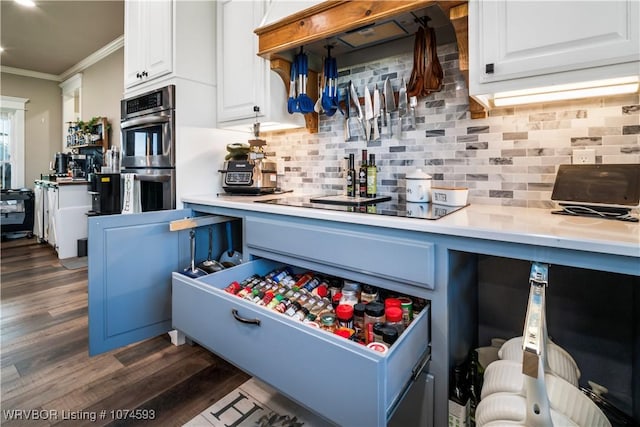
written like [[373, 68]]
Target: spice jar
[[358, 321], [407, 310], [394, 318], [349, 297], [392, 302], [377, 331], [328, 321], [389, 335], [373, 313], [369, 294], [344, 314]]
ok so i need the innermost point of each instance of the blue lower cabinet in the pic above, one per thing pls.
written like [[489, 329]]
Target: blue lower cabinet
[[343, 381], [131, 259]]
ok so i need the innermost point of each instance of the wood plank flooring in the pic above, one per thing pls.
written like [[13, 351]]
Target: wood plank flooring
[[45, 366]]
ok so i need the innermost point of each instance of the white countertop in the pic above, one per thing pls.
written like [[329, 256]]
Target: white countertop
[[496, 223]]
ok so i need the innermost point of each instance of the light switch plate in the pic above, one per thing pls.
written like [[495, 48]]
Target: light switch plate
[[586, 156]]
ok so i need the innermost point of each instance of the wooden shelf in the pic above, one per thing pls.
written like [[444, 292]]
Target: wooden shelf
[[310, 26]]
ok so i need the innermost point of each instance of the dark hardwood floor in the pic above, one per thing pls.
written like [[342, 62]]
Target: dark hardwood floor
[[45, 364]]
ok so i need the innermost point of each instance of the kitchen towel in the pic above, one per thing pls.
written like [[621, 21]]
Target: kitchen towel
[[131, 194]]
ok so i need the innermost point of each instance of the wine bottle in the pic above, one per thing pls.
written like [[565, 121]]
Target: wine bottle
[[362, 175], [351, 177], [458, 398], [372, 176]]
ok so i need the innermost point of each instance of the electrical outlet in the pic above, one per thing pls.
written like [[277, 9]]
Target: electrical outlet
[[585, 156]]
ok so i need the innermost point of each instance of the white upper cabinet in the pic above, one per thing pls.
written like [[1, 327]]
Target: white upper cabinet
[[522, 44], [241, 73], [148, 40], [166, 39], [244, 79], [278, 9]]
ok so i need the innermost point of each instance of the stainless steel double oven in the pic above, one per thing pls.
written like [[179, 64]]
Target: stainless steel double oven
[[148, 146]]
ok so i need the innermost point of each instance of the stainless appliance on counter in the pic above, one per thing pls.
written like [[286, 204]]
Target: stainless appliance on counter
[[247, 170], [60, 164], [148, 146]]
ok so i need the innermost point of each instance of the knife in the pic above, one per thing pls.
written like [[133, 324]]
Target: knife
[[376, 112], [402, 104], [356, 102], [368, 113], [390, 104], [347, 134]]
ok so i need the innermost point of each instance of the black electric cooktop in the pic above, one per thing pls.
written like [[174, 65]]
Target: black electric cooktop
[[383, 205]]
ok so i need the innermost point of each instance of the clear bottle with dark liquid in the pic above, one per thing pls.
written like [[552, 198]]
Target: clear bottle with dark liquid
[[351, 177], [362, 175]]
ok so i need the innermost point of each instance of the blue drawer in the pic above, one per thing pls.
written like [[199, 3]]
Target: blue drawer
[[335, 247], [341, 380]]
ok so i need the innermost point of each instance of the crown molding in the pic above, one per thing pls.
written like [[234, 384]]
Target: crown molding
[[96, 56], [93, 58], [29, 73]]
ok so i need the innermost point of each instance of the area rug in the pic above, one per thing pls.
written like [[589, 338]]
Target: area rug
[[255, 404], [74, 263]]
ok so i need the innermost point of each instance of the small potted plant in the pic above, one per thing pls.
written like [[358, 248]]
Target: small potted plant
[[86, 128]]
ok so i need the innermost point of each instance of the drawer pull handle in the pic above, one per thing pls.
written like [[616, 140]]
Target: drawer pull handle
[[244, 319]]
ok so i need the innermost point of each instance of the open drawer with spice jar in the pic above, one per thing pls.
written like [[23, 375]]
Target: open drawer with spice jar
[[339, 379]]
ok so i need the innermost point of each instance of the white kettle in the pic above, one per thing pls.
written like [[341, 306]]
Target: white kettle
[[418, 188]]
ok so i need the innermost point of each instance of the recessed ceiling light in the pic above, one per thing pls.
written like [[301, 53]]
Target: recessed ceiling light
[[26, 3]]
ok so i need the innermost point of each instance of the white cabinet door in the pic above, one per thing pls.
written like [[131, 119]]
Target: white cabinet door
[[241, 73], [148, 40], [516, 39]]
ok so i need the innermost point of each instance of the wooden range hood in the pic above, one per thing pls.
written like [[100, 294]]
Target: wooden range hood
[[335, 17]]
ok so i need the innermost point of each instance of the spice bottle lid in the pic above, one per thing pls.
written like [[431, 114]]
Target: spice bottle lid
[[358, 309], [344, 311], [393, 314], [279, 297], [392, 302], [389, 334], [322, 291], [374, 309]]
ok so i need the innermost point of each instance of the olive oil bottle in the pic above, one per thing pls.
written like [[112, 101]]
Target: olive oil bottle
[[351, 177], [372, 176], [362, 175]]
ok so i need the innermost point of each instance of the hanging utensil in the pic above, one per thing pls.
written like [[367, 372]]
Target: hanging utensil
[[390, 104], [347, 115], [306, 103], [368, 113], [192, 270], [413, 103], [402, 104], [292, 102], [230, 257], [376, 112], [321, 84], [356, 102], [433, 73], [327, 95], [416, 80], [335, 98], [210, 265]]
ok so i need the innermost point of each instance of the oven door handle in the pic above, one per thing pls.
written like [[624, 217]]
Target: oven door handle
[[145, 121], [153, 178]]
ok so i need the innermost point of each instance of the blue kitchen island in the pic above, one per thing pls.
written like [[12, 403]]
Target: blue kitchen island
[[471, 265]]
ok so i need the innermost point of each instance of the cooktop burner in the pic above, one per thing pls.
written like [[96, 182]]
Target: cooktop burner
[[390, 207]]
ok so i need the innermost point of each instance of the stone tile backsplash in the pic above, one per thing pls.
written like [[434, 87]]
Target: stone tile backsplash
[[509, 158]]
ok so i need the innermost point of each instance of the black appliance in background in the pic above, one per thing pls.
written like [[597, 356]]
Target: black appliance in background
[[105, 194], [147, 122], [61, 164]]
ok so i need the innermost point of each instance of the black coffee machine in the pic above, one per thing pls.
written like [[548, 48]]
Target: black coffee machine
[[61, 164], [105, 194]]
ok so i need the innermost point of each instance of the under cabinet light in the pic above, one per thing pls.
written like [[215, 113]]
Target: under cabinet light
[[606, 87], [26, 3]]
